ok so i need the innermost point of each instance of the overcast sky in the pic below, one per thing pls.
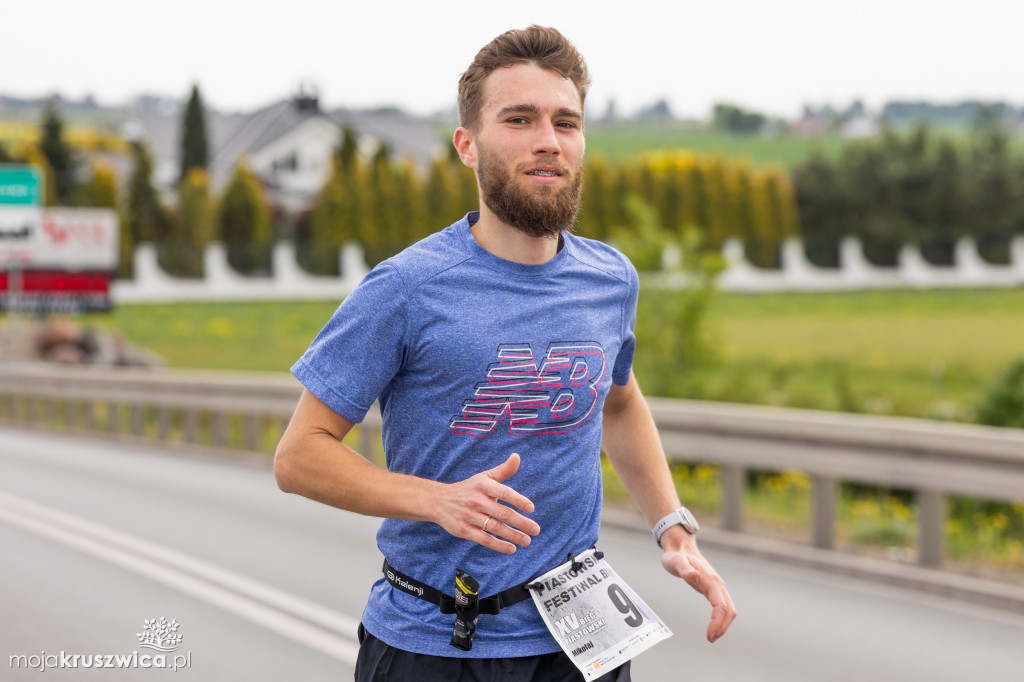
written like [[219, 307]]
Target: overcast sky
[[771, 56]]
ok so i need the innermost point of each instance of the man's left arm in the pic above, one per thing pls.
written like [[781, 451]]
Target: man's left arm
[[634, 448]]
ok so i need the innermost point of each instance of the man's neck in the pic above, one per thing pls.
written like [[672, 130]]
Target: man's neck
[[511, 244]]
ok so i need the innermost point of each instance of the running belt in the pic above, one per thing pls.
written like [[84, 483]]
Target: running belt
[[488, 605]]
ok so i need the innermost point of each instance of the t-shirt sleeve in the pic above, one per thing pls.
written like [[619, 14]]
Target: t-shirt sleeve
[[361, 347], [624, 360]]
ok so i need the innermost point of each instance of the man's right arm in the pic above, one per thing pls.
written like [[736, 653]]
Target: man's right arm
[[312, 461]]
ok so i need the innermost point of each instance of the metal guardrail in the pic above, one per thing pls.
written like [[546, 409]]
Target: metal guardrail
[[249, 412]]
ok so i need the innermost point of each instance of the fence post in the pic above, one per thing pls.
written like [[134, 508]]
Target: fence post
[[931, 514], [823, 512]]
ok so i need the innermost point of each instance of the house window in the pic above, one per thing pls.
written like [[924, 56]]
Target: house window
[[287, 163]]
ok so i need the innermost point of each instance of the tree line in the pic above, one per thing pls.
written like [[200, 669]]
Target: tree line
[[386, 204], [918, 188]]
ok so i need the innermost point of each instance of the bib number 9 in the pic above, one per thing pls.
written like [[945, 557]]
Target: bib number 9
[[625, 606]]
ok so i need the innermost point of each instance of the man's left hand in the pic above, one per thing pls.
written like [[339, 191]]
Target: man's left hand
[[683, 560]]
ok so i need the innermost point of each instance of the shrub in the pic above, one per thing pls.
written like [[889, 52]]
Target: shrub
[[1004, 403]]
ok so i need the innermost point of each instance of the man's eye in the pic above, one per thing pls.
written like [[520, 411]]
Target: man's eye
[[517, 119]]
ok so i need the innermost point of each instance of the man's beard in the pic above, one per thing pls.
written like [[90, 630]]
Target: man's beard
[[544, 212]]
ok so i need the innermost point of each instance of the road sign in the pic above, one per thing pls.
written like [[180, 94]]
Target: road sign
[[20, 186]]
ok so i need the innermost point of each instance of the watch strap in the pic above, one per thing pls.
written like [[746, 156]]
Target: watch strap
[[681, 516]]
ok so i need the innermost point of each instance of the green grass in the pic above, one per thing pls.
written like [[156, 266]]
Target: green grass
[[927, 354], [915, 353], [625, 141], [264, 337]]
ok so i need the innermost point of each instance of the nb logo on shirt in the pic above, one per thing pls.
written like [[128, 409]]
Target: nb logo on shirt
[[557, 397]]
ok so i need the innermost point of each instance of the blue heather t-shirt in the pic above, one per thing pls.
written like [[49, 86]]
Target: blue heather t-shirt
[[472, 358]]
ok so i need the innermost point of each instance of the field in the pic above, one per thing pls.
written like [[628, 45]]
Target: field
[[927, 354], [624, 141], [915, 353]]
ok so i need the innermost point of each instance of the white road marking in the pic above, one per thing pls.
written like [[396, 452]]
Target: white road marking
[[243, 596]]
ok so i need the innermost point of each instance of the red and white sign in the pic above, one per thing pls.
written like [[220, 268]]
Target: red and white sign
[[43, 291], [60, 238]]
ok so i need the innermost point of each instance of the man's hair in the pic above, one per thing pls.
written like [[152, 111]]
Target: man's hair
[[545, 47]]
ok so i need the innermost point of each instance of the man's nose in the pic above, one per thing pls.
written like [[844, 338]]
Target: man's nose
[[545, 141]]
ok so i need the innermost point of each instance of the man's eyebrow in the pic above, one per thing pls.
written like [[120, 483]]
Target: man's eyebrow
[[519, 109], [563, 112]]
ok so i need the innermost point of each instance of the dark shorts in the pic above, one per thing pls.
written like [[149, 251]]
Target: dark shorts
[[380, 662]]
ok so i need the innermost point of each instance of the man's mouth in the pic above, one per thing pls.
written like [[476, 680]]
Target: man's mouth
[[545, 173]]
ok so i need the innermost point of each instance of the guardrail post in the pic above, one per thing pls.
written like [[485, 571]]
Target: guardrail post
[[220, 429], [163, 424], [252, 430], [931, 514], [137, 420], [91, 415], [823, 512], [733, 479], [113, 417], [70, 414], [191, 419]]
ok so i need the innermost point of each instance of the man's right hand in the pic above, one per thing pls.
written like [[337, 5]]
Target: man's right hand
[[464, 508]]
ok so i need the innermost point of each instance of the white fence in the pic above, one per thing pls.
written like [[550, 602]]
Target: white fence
[[222, 283], [289, 282]]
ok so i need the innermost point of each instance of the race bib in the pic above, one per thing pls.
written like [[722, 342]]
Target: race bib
[[597, 619]]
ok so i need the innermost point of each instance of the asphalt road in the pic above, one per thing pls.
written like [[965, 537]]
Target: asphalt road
[[98, 538]]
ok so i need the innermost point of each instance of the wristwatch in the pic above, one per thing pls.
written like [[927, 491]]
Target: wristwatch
[[682, 516]]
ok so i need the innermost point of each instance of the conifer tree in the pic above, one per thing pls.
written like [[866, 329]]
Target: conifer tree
[[380, 238], [194, 145], [148, 221], [59, 156], [245, 223], [594, 219], [439, 193], [332, 221], [349, 149], [101, 190], [196, 224]]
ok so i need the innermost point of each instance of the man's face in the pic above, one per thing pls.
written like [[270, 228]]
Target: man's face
[[529, 149]]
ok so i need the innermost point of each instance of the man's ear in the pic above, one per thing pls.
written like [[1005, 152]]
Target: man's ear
[[463, 141]]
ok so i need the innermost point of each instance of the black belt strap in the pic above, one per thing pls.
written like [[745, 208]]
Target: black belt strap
[[489, 605]]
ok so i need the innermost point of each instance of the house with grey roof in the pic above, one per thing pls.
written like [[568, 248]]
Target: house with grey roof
[[289, 144]]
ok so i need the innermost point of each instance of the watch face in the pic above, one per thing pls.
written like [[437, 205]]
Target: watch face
[[689, 522]]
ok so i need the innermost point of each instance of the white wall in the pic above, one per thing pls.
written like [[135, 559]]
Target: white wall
[[290, 282]]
